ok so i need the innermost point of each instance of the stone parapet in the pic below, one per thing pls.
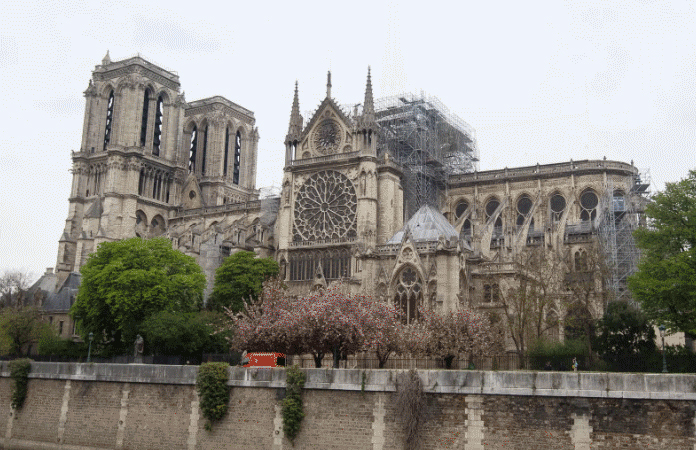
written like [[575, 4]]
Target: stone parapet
[[515, 383]]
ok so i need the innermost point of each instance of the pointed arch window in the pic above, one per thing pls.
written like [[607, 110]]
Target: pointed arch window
[[460, 209], [141, 182], [109, 120], [581, 261], [143, 127], [409, 294], [524, 206], [159, 117], [205, 149], [192, 150], [588, 204], [227, 151], [466, 230], [237, 157], [558, 205]]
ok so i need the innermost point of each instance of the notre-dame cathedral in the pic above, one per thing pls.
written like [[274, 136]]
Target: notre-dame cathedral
[[384, 195]]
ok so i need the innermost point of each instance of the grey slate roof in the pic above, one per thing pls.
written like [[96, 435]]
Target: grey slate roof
[[63, 299], [427, 225]]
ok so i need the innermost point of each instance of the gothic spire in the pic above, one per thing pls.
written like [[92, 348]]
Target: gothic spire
[[369, 103], [107, 59], [295, 128], [328, 85]]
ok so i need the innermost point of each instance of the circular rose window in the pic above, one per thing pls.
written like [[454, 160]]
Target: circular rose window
[[325, 207]]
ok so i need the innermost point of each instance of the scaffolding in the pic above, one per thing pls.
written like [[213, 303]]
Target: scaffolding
[[623, 212], [430, 142]]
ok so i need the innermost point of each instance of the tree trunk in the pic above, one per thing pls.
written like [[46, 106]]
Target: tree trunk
[[382, 359], [317, 359], [336, 358]]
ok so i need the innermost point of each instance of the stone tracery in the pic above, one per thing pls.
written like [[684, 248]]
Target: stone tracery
[[325, 208]]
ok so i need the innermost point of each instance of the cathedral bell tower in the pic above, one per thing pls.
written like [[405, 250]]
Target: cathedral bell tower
[[125, 173]]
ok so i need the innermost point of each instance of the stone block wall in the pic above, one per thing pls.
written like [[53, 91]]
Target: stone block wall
[[95, 406]]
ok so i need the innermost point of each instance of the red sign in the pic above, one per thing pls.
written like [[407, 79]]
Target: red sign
[[265, 360]]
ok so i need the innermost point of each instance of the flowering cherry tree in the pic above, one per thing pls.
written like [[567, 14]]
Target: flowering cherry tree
[[333, 321], [385, 332], [453, 333], [265, 324]]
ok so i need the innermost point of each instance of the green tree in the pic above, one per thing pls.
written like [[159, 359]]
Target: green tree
[[665, 283], [240, 278], [625, 338], [185, 334], [19, 326], [125, 282]]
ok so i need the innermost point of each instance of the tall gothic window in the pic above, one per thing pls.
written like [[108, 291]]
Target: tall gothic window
[[159, 116], [192, 150], [141, 182], [205, 150], [143, 127], [237, 157], [227, 150], [409, 294], [466, 230], [109, 120]]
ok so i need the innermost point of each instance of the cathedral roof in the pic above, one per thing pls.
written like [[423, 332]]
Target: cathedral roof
[[65, 297], [426, 225], [95, 210]]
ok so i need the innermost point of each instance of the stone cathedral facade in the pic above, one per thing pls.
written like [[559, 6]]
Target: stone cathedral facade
[[152, 164]]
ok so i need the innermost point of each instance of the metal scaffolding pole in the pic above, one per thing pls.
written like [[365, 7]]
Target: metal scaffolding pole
[[622, 214], [430, 143]]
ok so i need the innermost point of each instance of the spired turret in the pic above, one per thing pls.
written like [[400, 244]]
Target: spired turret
[[294, 128], [366, 122]]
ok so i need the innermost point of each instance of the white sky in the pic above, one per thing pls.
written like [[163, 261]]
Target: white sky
[[539, 81]]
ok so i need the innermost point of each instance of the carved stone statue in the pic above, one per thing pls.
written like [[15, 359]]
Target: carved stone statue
[[139, 348]]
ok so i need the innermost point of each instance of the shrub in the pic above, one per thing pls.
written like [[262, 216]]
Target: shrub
[[560, 354], [293, 411], [19, 372], [213, 391]]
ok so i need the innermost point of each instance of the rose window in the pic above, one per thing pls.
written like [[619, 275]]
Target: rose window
[[327, 137], [325, 208]]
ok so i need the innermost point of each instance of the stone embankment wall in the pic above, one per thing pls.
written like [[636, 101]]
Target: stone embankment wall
[[100, 406]]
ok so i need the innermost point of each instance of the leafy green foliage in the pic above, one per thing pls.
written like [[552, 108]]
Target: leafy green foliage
[[213, 391], [559, 354], [186, 334], [19, 326], [19, 372], [665, 283], [52, 344], [125, 282], [240, 278], [293, 411], [625, 338]]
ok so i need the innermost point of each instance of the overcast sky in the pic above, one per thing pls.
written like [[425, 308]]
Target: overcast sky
[[539, 81]]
